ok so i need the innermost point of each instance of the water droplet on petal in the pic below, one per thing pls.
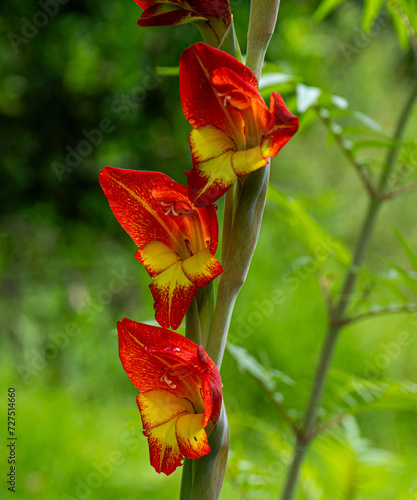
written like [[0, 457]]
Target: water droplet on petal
[[156, 305], [177, 349], [183, 309], [215, 206]]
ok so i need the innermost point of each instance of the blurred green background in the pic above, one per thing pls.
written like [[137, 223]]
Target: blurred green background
[[81, 91]]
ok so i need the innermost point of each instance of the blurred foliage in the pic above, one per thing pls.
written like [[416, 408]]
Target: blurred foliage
[[79, 90]]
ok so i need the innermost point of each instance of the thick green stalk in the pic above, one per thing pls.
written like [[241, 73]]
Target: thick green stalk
[[192, 323], [209, 471], [243, 219], [230, 43], [205, 302], [243, 240], [227, 222], [263, 18], [249, 205], [186, 479], [337, 321]]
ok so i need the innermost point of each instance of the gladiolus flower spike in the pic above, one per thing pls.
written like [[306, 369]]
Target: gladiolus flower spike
[[234, 132], [211, 17], [181, 391], [177, 241]]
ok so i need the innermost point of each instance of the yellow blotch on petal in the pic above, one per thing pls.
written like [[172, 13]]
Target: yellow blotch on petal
[[192, 438], [157, 257], [158, 407], [202, 267], [244, 162], [173, 293], [170, 280], [209, 142]]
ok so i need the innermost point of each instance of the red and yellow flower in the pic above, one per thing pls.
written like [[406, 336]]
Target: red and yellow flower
[[181, 391], [212, 17], [234, 132], [177, 240]]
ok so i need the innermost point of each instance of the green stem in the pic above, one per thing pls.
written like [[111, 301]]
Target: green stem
[[186, 479], [399, 132], [209, 471], [306, 435], [243, 217], [243, 239], [205, 301], [227, 221], [263, 18], [192, 323]]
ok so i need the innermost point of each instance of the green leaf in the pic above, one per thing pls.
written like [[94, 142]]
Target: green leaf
[[407, 278], [367, 120], [325, 8], [306, 97], [317, 241], [399, 25], [271, 79], [168, 70], [358, 468], [370, 12], [339, 102], [374, 143], [412, 256], [354, 395], [248, 364]]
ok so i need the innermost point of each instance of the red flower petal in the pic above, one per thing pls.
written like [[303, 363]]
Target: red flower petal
[[282, 127], [173, 293], [129, 193], [169, 231], [146, 351], [162, 15], [146, 4], [244, 92], [214, 8], [191, 436], [200, 100], [177, 405], [212, 387]]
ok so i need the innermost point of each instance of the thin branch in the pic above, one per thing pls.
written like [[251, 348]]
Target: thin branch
[[379, 312], [397, 137], [328, 425], [348, 287], [347, 152], [280, 407], [399, 191]]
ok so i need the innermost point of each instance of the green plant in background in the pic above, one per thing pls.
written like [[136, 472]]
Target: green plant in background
[[221, 154], [60, 303]]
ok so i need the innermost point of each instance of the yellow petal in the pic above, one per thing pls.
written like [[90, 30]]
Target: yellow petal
[[202, 267], [163, 448], [191, 437], [173, 293], [156, 257], [247, 161], [209, 142], [158, 407]]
